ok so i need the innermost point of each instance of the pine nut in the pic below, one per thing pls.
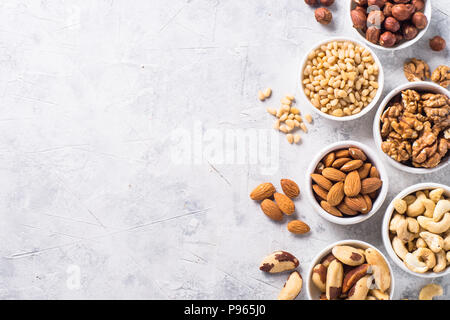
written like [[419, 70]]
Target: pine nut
[[272, 111], [308, 118], [268, 92], [303, 127], [261, 95], [297, 138], [290, 138]]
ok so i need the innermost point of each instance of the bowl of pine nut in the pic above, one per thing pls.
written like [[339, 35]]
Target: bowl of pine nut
[[341, 78]]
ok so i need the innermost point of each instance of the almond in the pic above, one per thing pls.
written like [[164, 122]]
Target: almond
[[298, 227], [321, 192], [290, 188], [345, 209], [284, 203], [271, 210], [352, 184], [352, 165], [336, 194], [329, 158], [374, 173], [330, 209], [343, 153], [333, 174], [356, 203], [356, 153], [364, 170], [368, 204], [370, 185], [321, 181], [263, 191], [339, 162]]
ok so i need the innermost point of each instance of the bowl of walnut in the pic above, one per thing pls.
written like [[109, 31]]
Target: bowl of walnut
[[347, 183], [341, 78], [416, 230], [412, 127], [390, 24]]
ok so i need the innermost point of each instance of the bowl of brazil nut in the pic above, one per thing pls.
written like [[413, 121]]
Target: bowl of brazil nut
[[346, 182], [350, 270], [390, 25], [341, 78], [412, 127], [416, 230]]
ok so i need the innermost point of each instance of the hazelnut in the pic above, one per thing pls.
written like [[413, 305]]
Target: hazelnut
[[373, 34], [379, 3], [387, 10], [402, 12], [362, 9], [399, 37], [326, 2], [419, 20], [375, 18], [361, 2], [409, 31], [401, 1], [311, 2], [358, 18], [323, 15], [391, 24], [437, 43], [419, 5], [388, 39]]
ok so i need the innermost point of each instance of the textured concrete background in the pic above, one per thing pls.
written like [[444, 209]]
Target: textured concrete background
[[92, 92]]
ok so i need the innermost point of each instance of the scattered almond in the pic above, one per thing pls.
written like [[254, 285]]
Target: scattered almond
[[298, 227], [290, 188], [284, 203], [271, 210], [263, 191]]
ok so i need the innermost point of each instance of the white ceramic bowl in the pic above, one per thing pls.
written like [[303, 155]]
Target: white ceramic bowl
[[363, 111], [404, 44], [420, 85], [314, 293], [385, 229], [371, 155]]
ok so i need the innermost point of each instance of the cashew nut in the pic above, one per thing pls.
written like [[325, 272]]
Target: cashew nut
[[441, 262], [414, 264], [430, 291], [417, 207], [433, 226], [411, 245], [420, 243], [413, 225], [402, 231], [434, 241], [442, 207], [447, 241], [399, 247], [448, 257], [429, 207], [427, 256], [409, 199], [436, 194], [400, 205], [393, 224]]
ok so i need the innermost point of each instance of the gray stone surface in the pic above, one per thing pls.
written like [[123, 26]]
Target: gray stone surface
[[91, 184]]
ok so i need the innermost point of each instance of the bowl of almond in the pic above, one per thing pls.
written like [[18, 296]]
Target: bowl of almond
[[347, 183], [350, 270], [412, 127]]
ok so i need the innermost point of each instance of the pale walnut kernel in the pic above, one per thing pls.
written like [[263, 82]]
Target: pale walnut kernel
[[416, 70]]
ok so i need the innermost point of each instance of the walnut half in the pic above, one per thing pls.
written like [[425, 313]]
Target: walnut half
[[441, 76], [416, 70]]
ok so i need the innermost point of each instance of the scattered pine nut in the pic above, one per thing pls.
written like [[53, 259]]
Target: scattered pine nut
[[297, 123], [298, 118], [286, 101], [297, 138], [261, 95], [290, 123], [286, 108], [308, 118], [290, 138], [295, 110], [284, 117], [268, 92], [291, 116], [272, 111], [290, 97], [283, 128], [303, 127], [276, 125]]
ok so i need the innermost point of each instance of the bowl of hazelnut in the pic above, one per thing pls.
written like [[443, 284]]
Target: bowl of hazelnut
[[390, 25], [412, 127], [341, 78]]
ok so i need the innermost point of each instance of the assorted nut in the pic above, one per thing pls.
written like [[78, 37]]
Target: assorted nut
[[415, 128], [352, 273], [340, 78], [419, 230], [388, 23], [437, 43], [346, 183]]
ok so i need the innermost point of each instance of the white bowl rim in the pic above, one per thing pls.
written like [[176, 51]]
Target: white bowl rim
[[385, 228], [350, 242], [378, 164], [376, 125], [364, 111], [427, 11]]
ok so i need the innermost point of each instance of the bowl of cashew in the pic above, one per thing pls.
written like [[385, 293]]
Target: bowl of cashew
[[416, 230]]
